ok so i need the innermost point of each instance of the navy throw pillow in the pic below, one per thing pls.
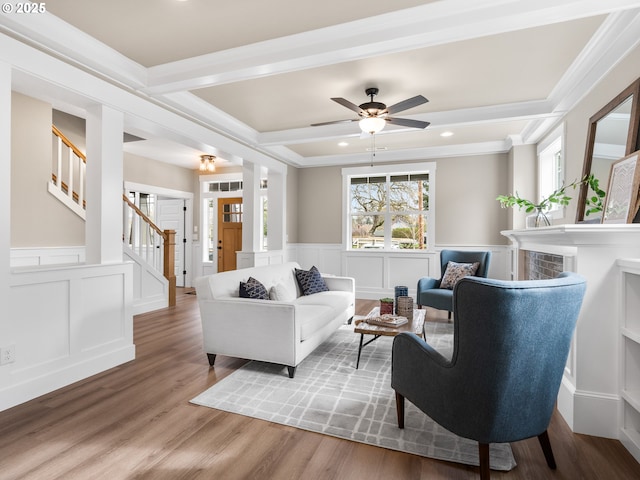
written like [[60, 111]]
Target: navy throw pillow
[[311, 281], [252, 288]]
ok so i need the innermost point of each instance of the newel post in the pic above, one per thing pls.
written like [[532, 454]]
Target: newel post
[[169, 263]]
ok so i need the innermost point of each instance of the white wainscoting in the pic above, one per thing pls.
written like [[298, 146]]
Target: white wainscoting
[[378, 272], [66, 323], [150, 288], [38, 256], [259, 259]]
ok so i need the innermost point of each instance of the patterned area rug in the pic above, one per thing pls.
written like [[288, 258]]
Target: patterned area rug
[[328, 395]]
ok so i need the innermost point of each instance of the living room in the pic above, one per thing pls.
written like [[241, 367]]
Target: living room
[[308, 205]]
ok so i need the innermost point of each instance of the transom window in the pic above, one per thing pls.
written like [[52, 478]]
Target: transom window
[[389, 210]]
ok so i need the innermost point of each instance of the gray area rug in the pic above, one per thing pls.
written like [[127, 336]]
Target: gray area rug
[[329, 396]]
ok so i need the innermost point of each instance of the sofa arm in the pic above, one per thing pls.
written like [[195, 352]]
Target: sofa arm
[[344, 284], [255, 329]]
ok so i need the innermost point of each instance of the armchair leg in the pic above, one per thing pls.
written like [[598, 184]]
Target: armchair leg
[[292, 371], [400, 409], [212, 358], [485, 471], [543, 438]]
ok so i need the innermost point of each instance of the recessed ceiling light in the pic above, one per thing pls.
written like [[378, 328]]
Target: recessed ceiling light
[[343, 144], [446, 134]]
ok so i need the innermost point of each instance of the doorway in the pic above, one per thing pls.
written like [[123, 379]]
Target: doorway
[[229, 232], [171, 215]]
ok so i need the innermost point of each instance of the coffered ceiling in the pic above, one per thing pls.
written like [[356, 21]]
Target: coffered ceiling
[[496, 72]]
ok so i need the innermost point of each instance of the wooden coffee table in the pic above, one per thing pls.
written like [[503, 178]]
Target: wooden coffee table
[[363, 328]]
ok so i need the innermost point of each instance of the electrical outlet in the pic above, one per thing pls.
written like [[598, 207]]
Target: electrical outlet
[[7, 354]]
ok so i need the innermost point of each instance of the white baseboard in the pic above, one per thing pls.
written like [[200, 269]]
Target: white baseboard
[[55, 379], [589, 413], [149, 304]]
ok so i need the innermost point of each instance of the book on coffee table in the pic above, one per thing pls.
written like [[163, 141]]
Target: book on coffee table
[[387, 320]]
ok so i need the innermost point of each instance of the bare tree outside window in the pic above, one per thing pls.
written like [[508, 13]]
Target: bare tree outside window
[[401, 200]]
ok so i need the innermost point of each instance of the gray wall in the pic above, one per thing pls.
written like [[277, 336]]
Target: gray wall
[[37, 218], [467, 211], [159, 174], [319, 193]]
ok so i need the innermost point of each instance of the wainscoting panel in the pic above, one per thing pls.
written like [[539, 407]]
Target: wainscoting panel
[[66, 324], [37, 256], [327, 257], [377, 272], [98, 327], [407, 270], [368, 270]]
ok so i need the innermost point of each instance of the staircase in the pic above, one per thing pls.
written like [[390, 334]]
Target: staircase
[[151, 249], [68, 175]]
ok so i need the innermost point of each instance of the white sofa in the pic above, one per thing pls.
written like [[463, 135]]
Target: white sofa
[[277, 331]]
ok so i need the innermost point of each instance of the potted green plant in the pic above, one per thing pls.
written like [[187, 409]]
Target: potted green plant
[[386, 306], [593, 202]]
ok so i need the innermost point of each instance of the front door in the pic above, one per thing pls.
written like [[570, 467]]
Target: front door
[[229, 232]]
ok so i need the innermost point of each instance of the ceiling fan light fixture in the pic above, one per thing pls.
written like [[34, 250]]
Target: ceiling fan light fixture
[[372, 125], [207, 163]]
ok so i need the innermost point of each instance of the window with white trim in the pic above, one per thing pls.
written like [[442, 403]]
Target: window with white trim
[[551, 168], [389, 207]]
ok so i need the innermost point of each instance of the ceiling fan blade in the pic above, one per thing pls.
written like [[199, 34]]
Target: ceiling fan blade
[[333, 122], [407, 104], [406, 122], [349, 105]]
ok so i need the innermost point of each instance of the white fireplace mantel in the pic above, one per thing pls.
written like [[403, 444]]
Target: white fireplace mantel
[[582, 234], [589, 397]]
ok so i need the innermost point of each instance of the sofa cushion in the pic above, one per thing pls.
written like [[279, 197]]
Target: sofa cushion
[[311, 281], [283, 292], [456, 271], [252, 288], [313, 318]]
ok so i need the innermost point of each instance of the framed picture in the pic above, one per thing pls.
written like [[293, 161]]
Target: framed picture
[[621, 203]]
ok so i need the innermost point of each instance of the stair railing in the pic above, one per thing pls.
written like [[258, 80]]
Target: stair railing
[[157, 247], [69, 169]]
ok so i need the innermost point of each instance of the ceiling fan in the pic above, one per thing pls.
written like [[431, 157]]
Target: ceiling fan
[[375, 115]]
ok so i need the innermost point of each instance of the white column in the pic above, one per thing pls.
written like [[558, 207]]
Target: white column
[[250, 207], [104, 185], [5, 188], [277, 214]]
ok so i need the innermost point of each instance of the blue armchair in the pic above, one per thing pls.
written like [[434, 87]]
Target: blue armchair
[[511, 342], [429, 292]]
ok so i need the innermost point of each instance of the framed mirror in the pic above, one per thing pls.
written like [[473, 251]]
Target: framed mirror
[[612, 135]]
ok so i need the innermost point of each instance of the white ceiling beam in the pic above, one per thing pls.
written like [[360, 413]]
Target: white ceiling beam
[[52, 35], [467, 116], [471, 149], [435, 23]]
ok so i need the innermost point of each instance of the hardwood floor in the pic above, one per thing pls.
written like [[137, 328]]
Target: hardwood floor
[[135, 422]]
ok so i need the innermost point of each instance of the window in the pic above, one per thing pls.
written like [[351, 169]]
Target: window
[[551, 168], [389, 210]]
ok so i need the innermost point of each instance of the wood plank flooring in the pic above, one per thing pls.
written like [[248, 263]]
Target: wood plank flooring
[[135, 422]]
